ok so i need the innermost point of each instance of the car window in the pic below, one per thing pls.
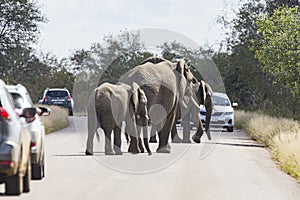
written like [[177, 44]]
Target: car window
[[18, 100], [57, 93], [221, 101]]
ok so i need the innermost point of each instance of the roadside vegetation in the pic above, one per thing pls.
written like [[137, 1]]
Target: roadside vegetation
[[57, 120], [280, 135]]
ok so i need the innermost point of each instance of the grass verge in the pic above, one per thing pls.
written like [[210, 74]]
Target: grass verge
[[280, 135], [57, 120]]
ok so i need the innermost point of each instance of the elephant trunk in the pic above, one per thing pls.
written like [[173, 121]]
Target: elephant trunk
[[208, 107]]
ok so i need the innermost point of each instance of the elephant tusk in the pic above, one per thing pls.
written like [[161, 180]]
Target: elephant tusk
[[183, 104], [195, 103]]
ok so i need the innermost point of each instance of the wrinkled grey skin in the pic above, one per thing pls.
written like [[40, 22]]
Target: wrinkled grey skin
[[109, 105], [164, 84]]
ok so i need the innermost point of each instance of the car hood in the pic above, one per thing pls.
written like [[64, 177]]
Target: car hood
[[222, 109], [218, 108]]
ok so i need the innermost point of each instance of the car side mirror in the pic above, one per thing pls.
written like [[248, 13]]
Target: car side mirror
[[234, 104], [43, 111]]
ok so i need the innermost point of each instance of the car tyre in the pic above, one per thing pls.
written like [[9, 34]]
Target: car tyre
[[230, 129], [70, 112], [38, 171], [14, 184]]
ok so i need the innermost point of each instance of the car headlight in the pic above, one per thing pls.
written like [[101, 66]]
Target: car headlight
[[228, 113]]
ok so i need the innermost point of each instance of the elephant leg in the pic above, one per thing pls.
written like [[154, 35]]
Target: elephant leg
[[131, 130], [108, 148], [197, 136], [186, 128], [174, 135], [145, 138], [139, 129], [93, 124], [153, 135], [117, 140], [163, 146]]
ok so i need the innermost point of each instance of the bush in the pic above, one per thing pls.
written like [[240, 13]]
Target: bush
[[57, 120], [281, 135]]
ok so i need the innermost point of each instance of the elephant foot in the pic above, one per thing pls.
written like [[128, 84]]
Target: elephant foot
[[111, 152], [153, 139], [187, 141], [88, 153], [133, 150], [118, 151], [196, 138], [176, 139], [142, 150], [165, 149]]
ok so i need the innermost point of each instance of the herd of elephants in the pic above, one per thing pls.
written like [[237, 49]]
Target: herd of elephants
[[156, 92]]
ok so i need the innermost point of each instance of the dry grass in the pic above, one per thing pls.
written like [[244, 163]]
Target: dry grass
[[57, 120], [281, 135]]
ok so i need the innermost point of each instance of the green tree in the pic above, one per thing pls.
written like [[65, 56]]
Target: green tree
[[19, 23], [278, 51], [105, 62]]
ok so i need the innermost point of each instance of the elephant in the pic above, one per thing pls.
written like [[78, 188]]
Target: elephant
[[109, 106], [165, 84], [203, 93]]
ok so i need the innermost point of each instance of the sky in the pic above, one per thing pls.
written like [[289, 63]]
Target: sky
[[77, 24]]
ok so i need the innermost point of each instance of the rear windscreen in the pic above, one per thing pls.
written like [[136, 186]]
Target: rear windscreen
[[57, 93]]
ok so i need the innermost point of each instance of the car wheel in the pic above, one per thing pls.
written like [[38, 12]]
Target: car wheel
[[27, 178], [230, 129], [71, 112], [14, 184], [37, 172]]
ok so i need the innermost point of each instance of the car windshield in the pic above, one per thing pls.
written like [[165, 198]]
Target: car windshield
[[220, 101], [57, 93]]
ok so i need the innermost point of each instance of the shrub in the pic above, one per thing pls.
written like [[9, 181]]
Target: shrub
[[57, 120], [281, 135]]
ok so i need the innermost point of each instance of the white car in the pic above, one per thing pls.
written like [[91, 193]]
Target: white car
[[222, 114], [23, 101]]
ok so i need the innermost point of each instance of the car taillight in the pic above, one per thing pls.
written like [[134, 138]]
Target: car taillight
[[32, 144], [7, 163], [46, 99], [4, 113], [69, 98]]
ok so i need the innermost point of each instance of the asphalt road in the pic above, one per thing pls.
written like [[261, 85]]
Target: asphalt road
[[231, 166]]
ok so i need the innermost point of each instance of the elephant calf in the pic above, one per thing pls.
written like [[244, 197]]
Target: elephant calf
[[110, 105]]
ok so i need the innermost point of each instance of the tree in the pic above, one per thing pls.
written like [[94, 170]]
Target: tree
[[105, 62], [278, 51], [19, 23]]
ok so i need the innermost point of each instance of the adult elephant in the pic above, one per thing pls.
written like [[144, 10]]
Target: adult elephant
[[165, 84], [202, 92], [109, 105]]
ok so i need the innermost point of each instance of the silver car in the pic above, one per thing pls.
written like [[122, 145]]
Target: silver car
[[222, 114], [15, 168], [22, 101]]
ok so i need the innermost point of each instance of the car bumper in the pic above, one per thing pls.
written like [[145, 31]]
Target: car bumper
[[219, 122]]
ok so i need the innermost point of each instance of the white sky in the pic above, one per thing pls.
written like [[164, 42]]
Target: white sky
[[76, 24]]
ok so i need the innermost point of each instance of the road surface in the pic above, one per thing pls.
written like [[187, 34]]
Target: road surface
[[231, 166]]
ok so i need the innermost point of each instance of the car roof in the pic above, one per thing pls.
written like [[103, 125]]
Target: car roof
[[17, 88]]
